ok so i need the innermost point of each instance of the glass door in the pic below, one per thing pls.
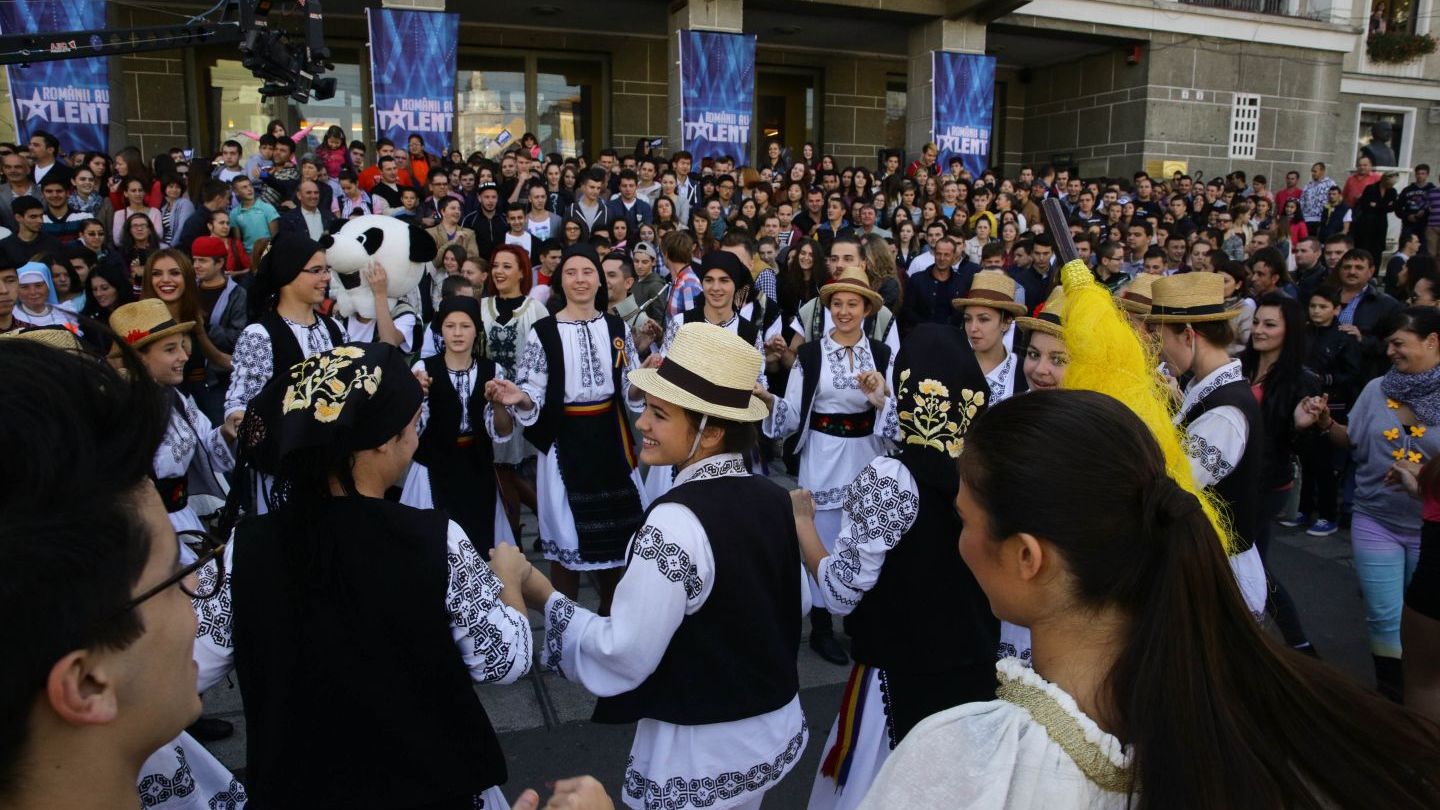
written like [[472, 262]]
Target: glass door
[[490, 109]]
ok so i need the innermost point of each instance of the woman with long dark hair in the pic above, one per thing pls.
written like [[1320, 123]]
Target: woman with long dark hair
[[1152, 687], [106, 289], [800, 280], [1273, 363]]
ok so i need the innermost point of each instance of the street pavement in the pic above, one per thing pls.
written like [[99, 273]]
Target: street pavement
[[543, 720]]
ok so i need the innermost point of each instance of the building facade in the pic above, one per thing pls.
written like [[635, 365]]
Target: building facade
[[1109, 86]]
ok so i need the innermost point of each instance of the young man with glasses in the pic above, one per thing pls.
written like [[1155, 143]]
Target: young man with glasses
[[98, 680]]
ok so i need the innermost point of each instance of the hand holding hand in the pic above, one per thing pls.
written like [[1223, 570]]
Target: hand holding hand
[[230, 428], [423, 377], [653, 361], [764, 396], [1312, 412], [578, 793], [803, 504], [377, 279], [504, 392], [509, 564], [872, 383]]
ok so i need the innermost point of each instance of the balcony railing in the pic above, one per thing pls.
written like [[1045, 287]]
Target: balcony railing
[[1309, 9]]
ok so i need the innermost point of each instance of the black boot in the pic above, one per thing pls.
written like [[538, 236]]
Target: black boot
[[211, 729], [1389, 678], [822, 638]]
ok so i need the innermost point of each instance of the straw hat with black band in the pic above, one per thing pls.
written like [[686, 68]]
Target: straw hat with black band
[[854, 280], [143, 322], [1050, 318], [1136, 297], [1189, 298], [994, 289], [708, 370]]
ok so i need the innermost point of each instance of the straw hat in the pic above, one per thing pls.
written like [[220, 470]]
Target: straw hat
[[1189, 298], [994, 289], [1135, 298], [852, 279], [708, 370], [143, 322], [1050, 318], [56, 337]]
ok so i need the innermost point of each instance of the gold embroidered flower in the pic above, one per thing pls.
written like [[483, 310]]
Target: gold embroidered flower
[[1392, 404], [348, 351], [1392, 434], [1414, 457], [1417, 431], [328, 411], [1397, 454], [933, 388], [335, 386], [933, 421]]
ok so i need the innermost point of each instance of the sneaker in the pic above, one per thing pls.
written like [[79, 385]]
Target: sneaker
[[1293, 521], [1322, 528]]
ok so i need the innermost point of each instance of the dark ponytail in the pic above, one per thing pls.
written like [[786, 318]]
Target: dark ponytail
[[1218, 714]]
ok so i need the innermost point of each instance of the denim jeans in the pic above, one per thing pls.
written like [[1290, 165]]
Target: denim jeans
[[1384, 562]]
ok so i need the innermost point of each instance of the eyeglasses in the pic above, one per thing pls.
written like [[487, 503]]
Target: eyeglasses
[[208, 569]]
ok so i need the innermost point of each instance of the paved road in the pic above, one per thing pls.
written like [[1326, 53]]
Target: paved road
[[544, 720]]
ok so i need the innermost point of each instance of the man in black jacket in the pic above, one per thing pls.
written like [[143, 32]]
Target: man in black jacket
[[487, 221], [928, 294], [1363, 309]]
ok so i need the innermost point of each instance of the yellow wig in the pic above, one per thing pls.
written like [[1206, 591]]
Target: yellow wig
[[1107, 356]]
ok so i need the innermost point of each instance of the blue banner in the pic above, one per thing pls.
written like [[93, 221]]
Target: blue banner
[[412, 75], [717, 94], [69, 98], [964, 108]]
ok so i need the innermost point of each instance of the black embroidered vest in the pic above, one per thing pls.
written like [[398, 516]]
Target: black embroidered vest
[[326, 621], [542, 433], [285, 350], [809, 358], [734, 657], [1240, 489], [743, 327]]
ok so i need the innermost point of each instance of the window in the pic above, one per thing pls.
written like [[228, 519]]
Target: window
[[236, 105], [1384, 134], [1393, 16], [1244, 126], [566, 100], [895, 111], [502, 97], [346, 110], [490, 114]]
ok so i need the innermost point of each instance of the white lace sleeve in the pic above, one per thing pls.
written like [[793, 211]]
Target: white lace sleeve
[[532, 374], [214, 651], [880, 506], [670, 574], [222, 456], [251, 365], [784, 418], [494, 638], [489, 413], [1215, 442]]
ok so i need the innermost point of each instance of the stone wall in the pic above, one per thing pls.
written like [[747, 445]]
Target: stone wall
[[152, 100], [852, 115], [1091, 111]]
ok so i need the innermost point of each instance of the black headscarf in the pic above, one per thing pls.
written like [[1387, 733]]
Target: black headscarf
[[278, 266], [936, 366], [457, 303], [586, 251]]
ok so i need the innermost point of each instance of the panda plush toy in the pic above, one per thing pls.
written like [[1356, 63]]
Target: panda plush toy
[[403, 249]]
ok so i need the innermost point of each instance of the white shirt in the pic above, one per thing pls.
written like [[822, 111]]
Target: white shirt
[[253, 360], [1214, 441], [313, 223], [358, 331], [1003, 755], [524, 240]]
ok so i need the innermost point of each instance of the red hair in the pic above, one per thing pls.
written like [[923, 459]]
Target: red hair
[[521, 257]]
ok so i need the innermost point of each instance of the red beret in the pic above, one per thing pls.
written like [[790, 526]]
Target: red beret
[[209, 246]]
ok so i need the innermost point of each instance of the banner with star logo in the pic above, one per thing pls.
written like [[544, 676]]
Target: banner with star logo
[[69, 98], [412, 74], [717, 93]]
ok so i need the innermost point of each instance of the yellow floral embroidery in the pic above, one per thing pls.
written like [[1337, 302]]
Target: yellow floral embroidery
[[319, 386], [1397, 454], [1414, 457], [1392, 404], [1418, 431], [930, 422], [1392, 434]]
